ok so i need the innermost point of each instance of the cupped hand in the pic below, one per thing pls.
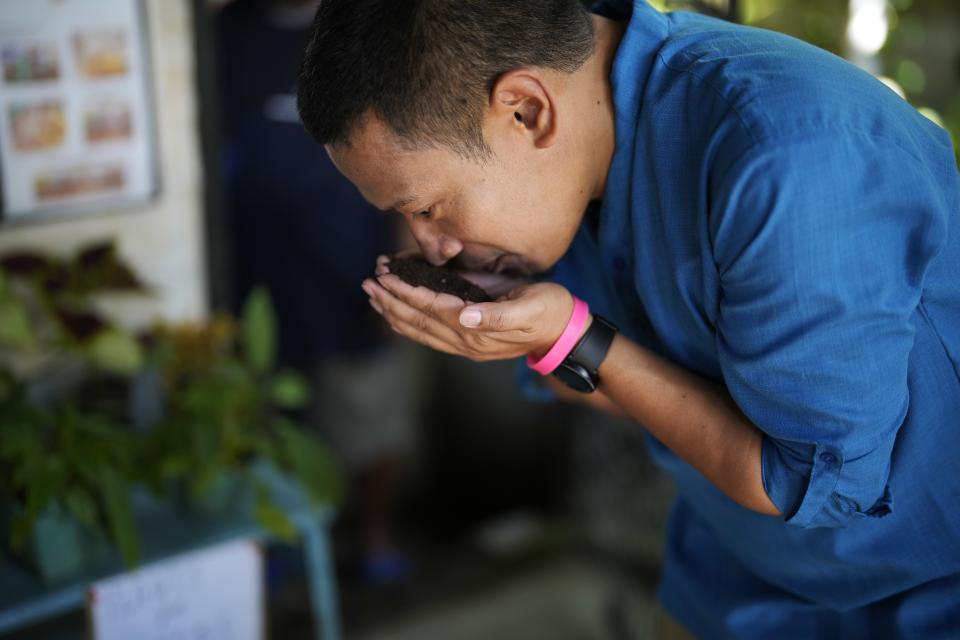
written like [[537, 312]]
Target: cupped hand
[[527, 320]]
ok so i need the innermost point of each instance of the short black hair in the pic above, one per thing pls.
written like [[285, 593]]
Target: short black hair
[[426, 67]]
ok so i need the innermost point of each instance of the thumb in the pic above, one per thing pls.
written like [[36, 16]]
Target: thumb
[[524, 309], [497, 316]]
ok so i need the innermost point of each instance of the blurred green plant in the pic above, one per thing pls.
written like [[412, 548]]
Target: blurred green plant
[[48, 308], [72, 453], [227, 406], [920, 46], [82, 461], [68, 380]]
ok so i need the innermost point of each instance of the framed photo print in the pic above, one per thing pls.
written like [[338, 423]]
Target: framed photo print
[[76, 108]]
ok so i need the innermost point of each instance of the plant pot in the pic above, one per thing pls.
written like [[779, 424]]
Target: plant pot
[[60, 547]]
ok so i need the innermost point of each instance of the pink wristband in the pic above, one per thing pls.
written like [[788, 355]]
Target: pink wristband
[[565, 343]]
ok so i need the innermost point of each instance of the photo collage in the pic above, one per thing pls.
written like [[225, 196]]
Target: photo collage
[[73, 114]]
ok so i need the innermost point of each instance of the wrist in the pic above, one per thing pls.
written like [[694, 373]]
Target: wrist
[[542, 350], [586, 327], [580, 369], [548, 357]]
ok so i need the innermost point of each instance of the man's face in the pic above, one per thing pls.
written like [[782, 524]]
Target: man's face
[[517, 212]]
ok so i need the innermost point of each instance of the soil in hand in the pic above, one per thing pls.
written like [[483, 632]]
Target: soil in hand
[[416, 271]]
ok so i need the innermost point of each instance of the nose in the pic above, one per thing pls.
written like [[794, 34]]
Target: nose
[[437, 247]]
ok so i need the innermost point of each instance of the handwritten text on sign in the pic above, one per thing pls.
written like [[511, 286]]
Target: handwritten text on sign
[[212, 594]]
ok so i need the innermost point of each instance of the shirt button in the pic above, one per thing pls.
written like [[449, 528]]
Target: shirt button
[[619, 264], [828, 459]]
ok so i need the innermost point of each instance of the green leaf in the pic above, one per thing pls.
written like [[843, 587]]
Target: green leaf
[[205, 440], [15, 328], [44, 485], [272, 518], [911, 77], [20, 529], [24, 263], [175, 465], [290, 390], [259, 330], [82, 506], [80, 325], [116, 352], [116, 496], [7, 390], [97, 254], [310, 462]]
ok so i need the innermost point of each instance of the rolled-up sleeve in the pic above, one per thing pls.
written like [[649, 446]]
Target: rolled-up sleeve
[[821, 245]]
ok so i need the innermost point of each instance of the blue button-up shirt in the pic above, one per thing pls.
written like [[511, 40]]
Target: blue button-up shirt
[[778, 220]]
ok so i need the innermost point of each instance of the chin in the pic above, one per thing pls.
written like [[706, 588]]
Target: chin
[[518, 266]]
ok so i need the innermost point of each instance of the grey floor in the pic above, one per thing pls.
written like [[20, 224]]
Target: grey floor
[[590, 576], [567, 599]]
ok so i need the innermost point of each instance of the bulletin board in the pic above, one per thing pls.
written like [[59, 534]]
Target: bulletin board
[[76, 108]]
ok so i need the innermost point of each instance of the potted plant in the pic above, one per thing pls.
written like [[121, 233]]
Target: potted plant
[[227, 410], [97, 423]]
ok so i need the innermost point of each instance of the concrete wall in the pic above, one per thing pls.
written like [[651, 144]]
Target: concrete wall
[[162, 240]]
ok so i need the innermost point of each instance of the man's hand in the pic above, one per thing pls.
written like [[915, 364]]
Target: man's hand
[[527, 320]]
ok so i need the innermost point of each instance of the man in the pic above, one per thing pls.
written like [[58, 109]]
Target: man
[[775, 234]]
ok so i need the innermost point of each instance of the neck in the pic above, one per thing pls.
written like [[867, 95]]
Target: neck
[[597, 98]]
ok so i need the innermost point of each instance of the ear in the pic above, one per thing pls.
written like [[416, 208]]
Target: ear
[[523, 102]]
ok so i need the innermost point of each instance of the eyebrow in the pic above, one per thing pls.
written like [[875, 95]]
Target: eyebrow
[[402, 202]]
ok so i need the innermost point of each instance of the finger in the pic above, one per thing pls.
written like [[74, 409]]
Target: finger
[[521, 315], [422, 327], [533, 315], [398, 312], [442, 306], [368, 286], [425, 330], [471, 349], [413, 333], [404, 328]]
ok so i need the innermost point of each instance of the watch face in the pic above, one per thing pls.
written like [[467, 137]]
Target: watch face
[[576, 377]]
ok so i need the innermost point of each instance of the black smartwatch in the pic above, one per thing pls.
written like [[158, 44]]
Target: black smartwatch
[[579, 369]]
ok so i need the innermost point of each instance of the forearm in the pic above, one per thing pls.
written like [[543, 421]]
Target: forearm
[[693, 418], [597, 400], [697, 421]]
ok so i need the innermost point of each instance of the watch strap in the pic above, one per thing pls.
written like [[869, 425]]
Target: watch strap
[[594, 345]]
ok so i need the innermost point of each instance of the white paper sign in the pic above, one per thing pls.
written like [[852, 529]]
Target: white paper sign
[[212, 594]]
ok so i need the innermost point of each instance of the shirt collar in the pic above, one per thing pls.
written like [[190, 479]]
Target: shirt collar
[[645, 34]]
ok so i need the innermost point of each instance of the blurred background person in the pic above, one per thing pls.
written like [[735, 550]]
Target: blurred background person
[[302, 230]]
